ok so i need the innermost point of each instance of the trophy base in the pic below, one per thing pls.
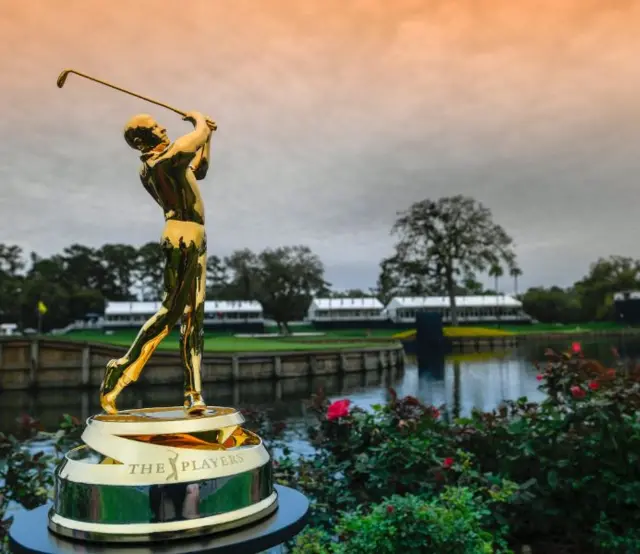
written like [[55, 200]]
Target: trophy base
[[29, 534], [163, 531], [158, 474]]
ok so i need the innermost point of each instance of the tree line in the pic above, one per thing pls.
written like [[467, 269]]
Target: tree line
[[442, 248]]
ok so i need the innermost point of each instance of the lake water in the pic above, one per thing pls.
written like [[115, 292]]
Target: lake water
[[462, 382]]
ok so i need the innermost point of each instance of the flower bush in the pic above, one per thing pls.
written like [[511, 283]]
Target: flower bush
[[566, 469]]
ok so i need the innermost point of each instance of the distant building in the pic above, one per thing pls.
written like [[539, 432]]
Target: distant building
[[626, 307], [346, 312], [237, 315], [470, 309], [8, 329]]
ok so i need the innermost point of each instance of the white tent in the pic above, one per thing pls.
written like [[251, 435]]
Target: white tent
[[345, 309]]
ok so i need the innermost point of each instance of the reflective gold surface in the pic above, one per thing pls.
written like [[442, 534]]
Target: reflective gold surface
[[162, 502], [221, 439], [135, 460], [158, 473], [167, 421], [162, 473], [165, 530], [160, 414], [169, 173]]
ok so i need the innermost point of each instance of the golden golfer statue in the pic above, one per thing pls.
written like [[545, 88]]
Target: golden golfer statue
[[174, 461], [169, 173]]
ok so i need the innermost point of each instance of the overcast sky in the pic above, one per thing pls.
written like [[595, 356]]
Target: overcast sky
[[333, 115]]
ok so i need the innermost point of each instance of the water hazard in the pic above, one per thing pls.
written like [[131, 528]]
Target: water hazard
[[461, 381]]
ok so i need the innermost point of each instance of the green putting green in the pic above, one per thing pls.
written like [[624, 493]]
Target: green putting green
[[226, 343], [329, 340], [551, 328]]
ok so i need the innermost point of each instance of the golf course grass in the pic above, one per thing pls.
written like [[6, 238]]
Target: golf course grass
[[228, 343], [338, 339], [488, 331]]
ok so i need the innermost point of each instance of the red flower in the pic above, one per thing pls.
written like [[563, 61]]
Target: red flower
[[539, 377], [390, 509], [594, 385], [578, 392], [611, 373], [576, 348], [340, 408], [448, 462], [435, 413]]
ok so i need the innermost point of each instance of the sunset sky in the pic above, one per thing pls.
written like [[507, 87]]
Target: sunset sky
[[333, 115]]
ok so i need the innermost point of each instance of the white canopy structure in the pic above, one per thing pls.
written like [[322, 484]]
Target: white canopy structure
[[345, 309], [470, 309], [627, 295], [126, 314]]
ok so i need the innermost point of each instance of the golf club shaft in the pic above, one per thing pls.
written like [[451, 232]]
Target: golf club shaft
[[63, 76]]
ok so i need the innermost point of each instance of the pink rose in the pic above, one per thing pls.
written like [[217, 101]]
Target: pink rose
[[340, 408]]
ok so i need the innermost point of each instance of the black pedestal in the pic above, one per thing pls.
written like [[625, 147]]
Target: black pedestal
[[30, 534]]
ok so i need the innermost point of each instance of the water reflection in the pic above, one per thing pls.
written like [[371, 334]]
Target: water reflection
[[462, 382], [285, 399]]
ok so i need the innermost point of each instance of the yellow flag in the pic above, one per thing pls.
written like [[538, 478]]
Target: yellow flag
[[42, 308]]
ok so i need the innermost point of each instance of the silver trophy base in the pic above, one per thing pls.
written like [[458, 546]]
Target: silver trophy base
[[132, 483], [162, 531]]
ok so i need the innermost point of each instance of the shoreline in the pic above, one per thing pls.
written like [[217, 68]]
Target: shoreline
[[51, 363]]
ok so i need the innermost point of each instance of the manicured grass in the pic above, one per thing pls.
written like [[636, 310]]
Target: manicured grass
[[495, 330], [224, 343], [339, 333], [460, 332], [334, 339], [559, 328]]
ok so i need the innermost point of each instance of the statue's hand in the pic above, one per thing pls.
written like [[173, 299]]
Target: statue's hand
[[211, 123], [197, 117]]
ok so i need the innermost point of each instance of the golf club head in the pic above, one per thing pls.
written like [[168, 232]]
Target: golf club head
[[63, 77]]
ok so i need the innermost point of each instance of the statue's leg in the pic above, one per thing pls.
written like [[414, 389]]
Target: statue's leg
[[180, 267], [192, 339]]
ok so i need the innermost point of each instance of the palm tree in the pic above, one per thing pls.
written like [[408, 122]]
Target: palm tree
[[515, 272], [496, 272]]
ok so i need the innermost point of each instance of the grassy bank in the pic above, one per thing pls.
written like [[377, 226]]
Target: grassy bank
[[488, 329], [226, 343], [342, 338]]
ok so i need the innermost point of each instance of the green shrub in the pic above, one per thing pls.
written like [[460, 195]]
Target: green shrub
[[449, 524], [313, 540]]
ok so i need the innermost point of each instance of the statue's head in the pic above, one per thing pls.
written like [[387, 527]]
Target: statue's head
[[143, 133]]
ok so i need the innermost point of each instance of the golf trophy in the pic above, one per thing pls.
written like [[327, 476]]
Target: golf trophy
[[169, 472]]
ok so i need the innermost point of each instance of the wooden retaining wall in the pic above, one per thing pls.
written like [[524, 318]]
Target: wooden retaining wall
[[50, 363]]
